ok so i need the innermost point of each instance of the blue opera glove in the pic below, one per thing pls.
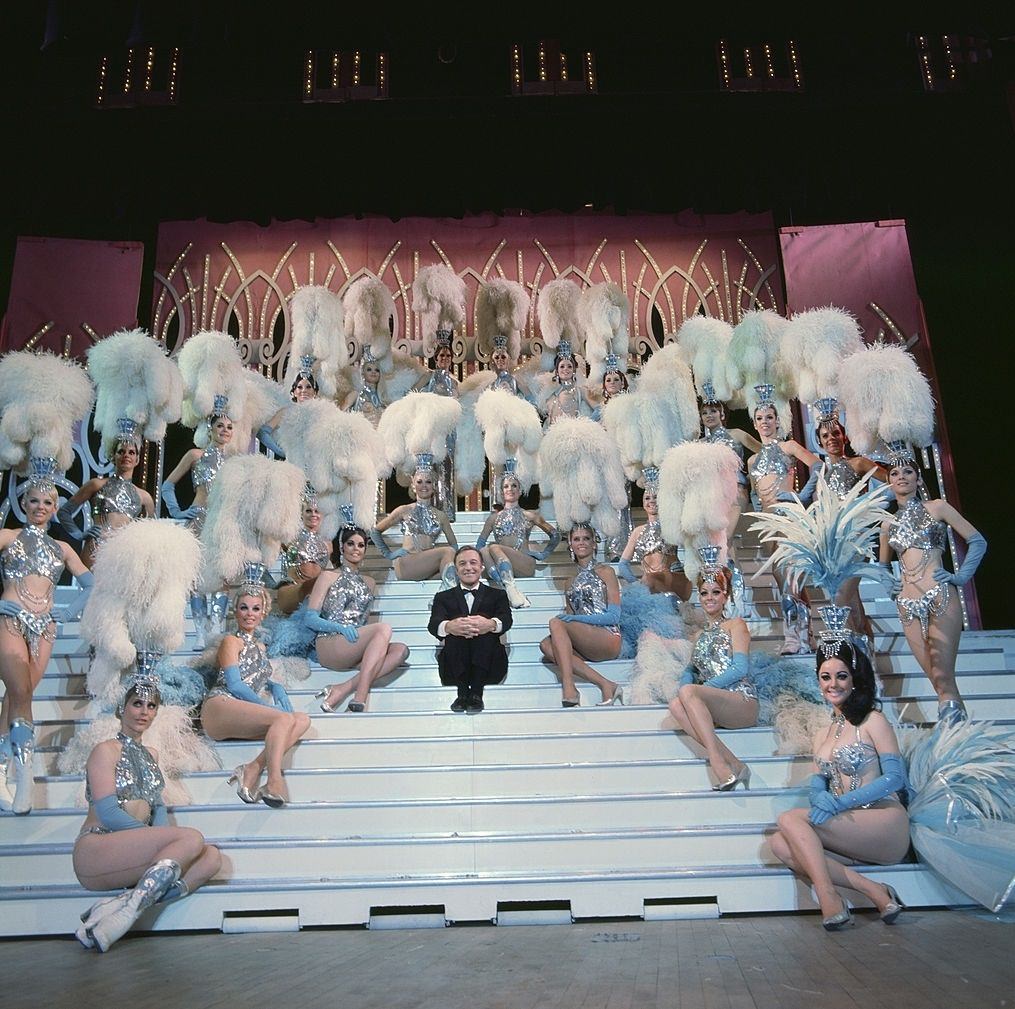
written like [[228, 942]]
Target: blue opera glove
[[610, 616], [976, 547], [377, 538], [73, 612], [625, 571], [481, 542], [806, 493], [173, 506], [280, 696], [112, 816], [738, 669], [65, 516], [892, 780], [236, 686], [554, 542], [266, 436], [313, 620], [755, 500], [160, 815], [686, 677], [823, 804], [8, 608]]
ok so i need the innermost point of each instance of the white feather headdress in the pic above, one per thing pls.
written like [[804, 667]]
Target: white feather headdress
[[502, 309], [41, 398], [697, 492], [603, 313], [419, 422], [814, 345], [580, 468], [886, 396], [134, 380], [369, 309], [211, 367], [254, 506], [511, 429], [557, 308], [470, 459], [705, 344], [342, 457], [318, 331], [438, 295], [753, 359]]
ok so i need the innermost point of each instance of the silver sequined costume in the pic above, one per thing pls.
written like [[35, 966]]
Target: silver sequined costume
[[347, 601], [255, 670], [116, 496], [308, 548], [712, 656], [368, 402], [841, 477], [587, 594], [567, 401], [914, 528], [32, 552], [202, 473], [851, 760], [771, 461], [137, 776], [721, 436], [422, 520], [651, 542], [443, 383], [511, 528]]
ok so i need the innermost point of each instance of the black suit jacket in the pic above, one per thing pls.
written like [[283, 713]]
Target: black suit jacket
[[485, 653]]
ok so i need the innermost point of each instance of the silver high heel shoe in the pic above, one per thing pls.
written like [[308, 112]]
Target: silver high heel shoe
[[893, 908], [742, 776], [838, 921], [271, 799], [250, 796], [321, 696], [617, 698]]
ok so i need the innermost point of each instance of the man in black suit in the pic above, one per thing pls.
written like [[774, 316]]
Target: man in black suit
[[470, 620]]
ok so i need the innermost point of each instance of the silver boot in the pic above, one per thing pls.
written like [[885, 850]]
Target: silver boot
[[6, 769], [117, 918], [219, 613], [518, 599], [22, 738], [951, 713]]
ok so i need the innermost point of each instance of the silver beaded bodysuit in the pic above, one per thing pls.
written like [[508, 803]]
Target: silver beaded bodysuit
[[651, 542], [914, 528], [422, 520], [770, 461], [368, 402], [202, 473], [721, 436], [851, 760], [116, 496], [712, 655], [511, 528], [443, 383], [506, 381], [841, 477], [309, 548], [255, 669], [566, 400], [136, 776], [32, 552], [587, 594], [348, 600]]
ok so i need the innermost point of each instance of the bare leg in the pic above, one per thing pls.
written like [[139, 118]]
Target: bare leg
[[937, 653], [681, 717], [704, 707], [372, 652], [568, 643], [20, 673], [425, 564], [522, 564]]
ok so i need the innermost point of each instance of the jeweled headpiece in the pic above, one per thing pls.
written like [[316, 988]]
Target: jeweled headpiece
[[899, 452], [827, 408], [836, 633], [766, 394], [612, 365], [254, 573], [367, 357], [710, 565], [309, 495], [708, 394], [443, 338], [564, 350], [346, 510], [650, 475], [42, 471], [128, 430], [500, 342], [220, 406], [306, 369], [424, 462], [145, 681]]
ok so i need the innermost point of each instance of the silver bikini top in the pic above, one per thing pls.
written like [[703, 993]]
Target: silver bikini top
[[136, 774], [32, 552], [914, 527], [207, 467], [367, 400], [587, 592], [309, 548], [770, 461], [255, 669], [348, 599], [511, 528], [651, 542], [567, 399], [721, 436], [713, 652], [849, 759], [116, 496], [442, 383], [422, 520], [841, 477]]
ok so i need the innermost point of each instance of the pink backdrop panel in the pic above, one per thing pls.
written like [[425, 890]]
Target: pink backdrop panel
[[70, 289]]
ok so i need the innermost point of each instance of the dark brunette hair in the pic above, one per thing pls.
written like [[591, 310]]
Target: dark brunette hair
[[347, 531], [308, 378], [863, 699]]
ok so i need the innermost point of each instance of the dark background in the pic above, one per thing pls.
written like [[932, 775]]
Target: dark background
[[862, 141]]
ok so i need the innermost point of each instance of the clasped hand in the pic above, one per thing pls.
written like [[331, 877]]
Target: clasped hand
[[824, 806], [470, 627]]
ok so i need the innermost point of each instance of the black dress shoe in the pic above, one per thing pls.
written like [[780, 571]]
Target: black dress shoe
[[475, 705], [460, 704]]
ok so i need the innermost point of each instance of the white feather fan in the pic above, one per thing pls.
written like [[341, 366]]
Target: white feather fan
[[666, 377], [341, 455], [254, 506], [418, 422], [511, 429], [210, 366], [502, 309], [264, 398], [470, 461], [602, 314], [886, 396], [438, 295], [814, 344], [41, 398], [318, 329], [753, 359], [580, 468], [369, 309], [134, 379], [556, 308], [705, 343], [697, 492]]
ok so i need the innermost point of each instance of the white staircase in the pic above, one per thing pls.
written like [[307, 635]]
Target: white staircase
[[412, 814]]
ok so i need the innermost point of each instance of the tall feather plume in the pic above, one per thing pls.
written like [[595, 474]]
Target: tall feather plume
[[814, 345], [134, 379], [470, 460], [438, 295], [705, 344], [318, 329], [369, 309], [41, 397], [406, 371], [580, 468], [210, 366], [264, 398], [886, 396], [502, 309], [341, 455], [511, 429], [697, 492], [254, 506], [752, 358], [667, 378], [827, 543], [419, 422], [557, 309], [602, 314], [143, 576]]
